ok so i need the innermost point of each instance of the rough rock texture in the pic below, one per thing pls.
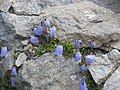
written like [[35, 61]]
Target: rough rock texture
[[104, 66], [85, 20], [6, 63], [23, 25], [116, 45], [80, 20], [113, 83], [50, 73], [20, 59], [7, 34]]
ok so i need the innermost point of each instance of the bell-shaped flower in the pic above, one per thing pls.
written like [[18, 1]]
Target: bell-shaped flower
[[34, 40], [38, 31], [83, 85], [78, 44], [59, 50], [90, 59], [12, 81], [91, 43], [83, 68], [14, 71], [53, 32], [78, 57], [4, 51], [47, 23]]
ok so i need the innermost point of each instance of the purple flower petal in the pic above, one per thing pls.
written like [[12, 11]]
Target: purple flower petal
[[59, 50], [53, 32], [90, 59], [47, 23], [38, 31], [14, 71], [12, 82], [34, 40], [4, 52], [83, 68], [78, 57], [78, 43], [83, 85]]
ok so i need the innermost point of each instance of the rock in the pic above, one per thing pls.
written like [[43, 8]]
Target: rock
[[80, 20], [77, 21], [114, 55], [7, 35], [29, 46], [5, 5], [7, 62], [21, 59], [113, 83], [49, 73], [116, 45], [23, 25], [104, 66], [25, 42]]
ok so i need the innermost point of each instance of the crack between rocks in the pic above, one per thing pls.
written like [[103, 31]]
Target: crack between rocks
[[12, 11]]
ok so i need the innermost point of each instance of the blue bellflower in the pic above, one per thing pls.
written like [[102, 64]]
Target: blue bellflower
[[83, 68], [78, 57], [83, 85], [90, 59], [34, 40], [59, 50], [47, 23], [78, 43], [53, 32], [4, 52], [38, 31], [12, 82], [14, 71]]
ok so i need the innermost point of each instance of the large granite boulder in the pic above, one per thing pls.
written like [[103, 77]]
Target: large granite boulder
[[113, 83], [50, 73], [104, 66], [74, 21], [83, 21]]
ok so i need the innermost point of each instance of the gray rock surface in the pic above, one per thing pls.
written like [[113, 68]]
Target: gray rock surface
[[113, 83], [84, 20], [116, 45], [7, 62], [23, 25], [20, 59], [74, 21], [7, 34], [47, 73], [104, 66]]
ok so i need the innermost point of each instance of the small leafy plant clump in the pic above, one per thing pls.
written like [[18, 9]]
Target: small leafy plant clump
[[49, 47]]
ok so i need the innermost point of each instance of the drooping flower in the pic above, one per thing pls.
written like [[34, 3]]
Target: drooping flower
[[53, 32], [78, 57], [59, 50], [83, 85], [90, 59], [12, 81], [4, 51], [78, 44], [34, 40], [83, 68], [14, 71], [47, 23], [38, 31]]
